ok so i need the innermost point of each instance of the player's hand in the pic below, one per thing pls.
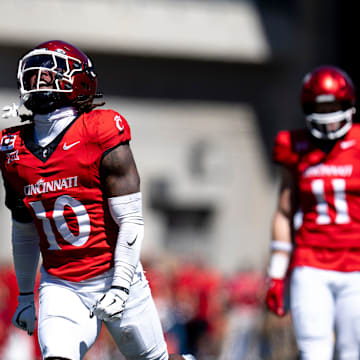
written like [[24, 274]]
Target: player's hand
[[111, 305], [24, 317], [275, 296]]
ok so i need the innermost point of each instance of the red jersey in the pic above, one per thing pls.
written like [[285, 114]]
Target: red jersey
[[327, 228], [61, 186]]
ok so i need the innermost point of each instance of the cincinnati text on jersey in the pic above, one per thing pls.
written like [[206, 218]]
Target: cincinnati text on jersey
[[43, 186], [329, 170]]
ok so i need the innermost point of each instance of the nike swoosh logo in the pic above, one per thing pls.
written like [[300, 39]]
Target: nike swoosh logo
[[133, 242], [67, 147]]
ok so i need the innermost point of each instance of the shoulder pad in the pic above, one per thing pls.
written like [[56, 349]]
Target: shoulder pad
[[108, 128]]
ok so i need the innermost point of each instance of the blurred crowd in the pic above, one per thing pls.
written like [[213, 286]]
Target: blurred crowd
[[203, 312]]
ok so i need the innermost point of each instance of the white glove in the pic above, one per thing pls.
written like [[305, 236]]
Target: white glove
[[24, 317], [111, 306]]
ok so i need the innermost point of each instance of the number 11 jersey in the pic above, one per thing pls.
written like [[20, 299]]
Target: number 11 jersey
[[327, 224]]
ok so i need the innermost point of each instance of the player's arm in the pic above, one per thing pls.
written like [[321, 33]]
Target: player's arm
[[281, 244], [25, 251], [119, 173], [283, 215], [121, 185]]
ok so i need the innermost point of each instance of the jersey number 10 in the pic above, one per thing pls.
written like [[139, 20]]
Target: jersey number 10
[[57, 215]]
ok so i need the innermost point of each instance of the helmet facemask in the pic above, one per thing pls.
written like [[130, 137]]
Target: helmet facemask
[[330, 126], [46, 79]]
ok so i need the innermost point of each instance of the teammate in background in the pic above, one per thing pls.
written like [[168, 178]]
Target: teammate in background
[[316, 225], [74, 193]]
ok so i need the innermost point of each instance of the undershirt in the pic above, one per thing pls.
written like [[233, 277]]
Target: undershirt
[[49, 126]]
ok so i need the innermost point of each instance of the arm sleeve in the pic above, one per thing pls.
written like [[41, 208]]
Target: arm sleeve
[[25, 248], [126, 211], [15, 204]]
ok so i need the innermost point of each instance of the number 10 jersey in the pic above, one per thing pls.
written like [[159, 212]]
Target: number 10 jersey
[[60, 185]]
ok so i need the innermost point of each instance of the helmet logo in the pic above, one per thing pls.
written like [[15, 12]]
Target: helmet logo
[[325, 98], [61, 51]]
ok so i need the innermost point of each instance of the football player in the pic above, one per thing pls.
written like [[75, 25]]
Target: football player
[[316, 225], [74, 193]]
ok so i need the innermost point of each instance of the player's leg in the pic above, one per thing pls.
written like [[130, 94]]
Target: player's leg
[[65, 329], [313, 313], [139, 334], [348, 317]]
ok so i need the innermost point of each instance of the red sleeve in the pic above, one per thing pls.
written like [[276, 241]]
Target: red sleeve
[[283, 152], [112, 129]]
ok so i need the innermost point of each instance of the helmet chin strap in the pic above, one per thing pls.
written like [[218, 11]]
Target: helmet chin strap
[[327, 119]]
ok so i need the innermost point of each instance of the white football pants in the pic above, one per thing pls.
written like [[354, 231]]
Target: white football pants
[[325, 305], [66, 330]]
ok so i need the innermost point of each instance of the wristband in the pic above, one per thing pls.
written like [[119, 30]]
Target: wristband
[[124, 289], [278, 266], [281, 246]]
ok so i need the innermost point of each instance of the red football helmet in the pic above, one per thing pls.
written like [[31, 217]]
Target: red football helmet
[[56, 74], [328, 84]]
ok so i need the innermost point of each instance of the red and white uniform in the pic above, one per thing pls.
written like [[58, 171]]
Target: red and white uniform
[[327, 225], [60, 185], [325, 276]]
